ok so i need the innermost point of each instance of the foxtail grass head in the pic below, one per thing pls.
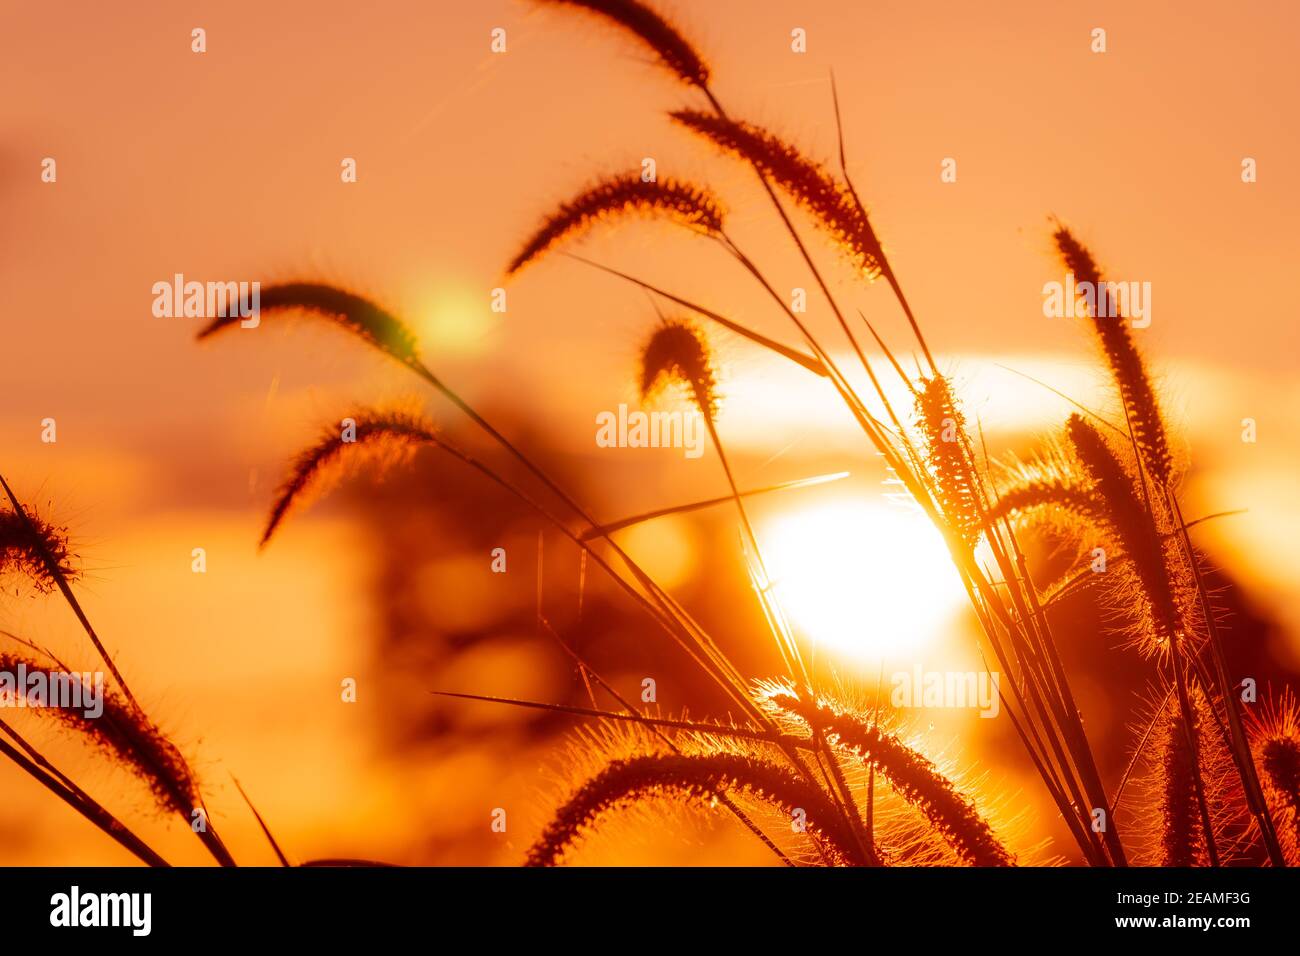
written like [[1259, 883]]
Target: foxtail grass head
[[1176, 756], [948, 458], [619, 196], [830, 203], [122, 732], [950, 811], [34, 550], [1127, 366], [703, 778], [1123, 510], [1274, 731], [380, 436], [353, 313], [1181, 838], [673, 50], [677, 353]]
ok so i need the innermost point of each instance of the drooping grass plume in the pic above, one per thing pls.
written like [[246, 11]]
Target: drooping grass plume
[[698, 777], [1046, 491], [1125, 361], [949, 811], [948, 459], [677, 352], [358, 315], [1073, 499], [807, 182], [1274, 731], [385, 436], [618, 196], [123, 733], [25, 545], [1130, 523], [672, 48]]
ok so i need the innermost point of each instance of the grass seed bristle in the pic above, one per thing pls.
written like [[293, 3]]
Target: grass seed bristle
[[1130, 524], [677, 352], [947, 457], [814, 189], [125, 734], [618, 196], [1180, 834], [25, 545], [354, 313], [949, 811], [700, 777], [672, 48], [385, 436]]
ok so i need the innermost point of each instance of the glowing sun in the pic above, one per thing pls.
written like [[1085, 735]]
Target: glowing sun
[[866, 582]]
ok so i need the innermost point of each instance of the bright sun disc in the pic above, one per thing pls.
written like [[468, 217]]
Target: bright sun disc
[[866, 582]]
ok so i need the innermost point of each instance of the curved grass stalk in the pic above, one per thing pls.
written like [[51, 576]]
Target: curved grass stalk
[[386, 434]]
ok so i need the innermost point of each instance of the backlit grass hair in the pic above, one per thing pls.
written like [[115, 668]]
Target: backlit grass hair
[[124, 734], [27, 548], [811, 186], [1122, 509], [952, 813], [661, 36], [351, 312], [619, 196], [367, 435], [1274, 731], [1126, 363], [697, 777], [678, 353], [947, 456]]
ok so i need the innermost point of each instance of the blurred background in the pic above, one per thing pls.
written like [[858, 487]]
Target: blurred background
[[226, 166]]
